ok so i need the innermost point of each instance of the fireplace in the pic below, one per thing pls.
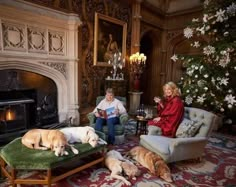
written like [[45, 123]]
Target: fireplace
[[40, 43], [28, 96], [15, 115]]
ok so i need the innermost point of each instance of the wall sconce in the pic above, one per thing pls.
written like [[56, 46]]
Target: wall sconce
[[137, 62]]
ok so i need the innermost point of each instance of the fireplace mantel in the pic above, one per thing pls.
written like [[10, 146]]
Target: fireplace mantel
[[45, 41]]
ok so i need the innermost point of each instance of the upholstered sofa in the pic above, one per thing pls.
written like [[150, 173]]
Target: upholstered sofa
[[182, 148], [119, 128]]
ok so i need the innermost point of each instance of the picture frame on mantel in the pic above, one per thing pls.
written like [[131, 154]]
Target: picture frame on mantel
[[109, 38]]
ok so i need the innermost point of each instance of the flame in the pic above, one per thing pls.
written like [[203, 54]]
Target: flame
[[9, 115]]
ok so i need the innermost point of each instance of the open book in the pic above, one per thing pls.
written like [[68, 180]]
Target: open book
[[108, 113]]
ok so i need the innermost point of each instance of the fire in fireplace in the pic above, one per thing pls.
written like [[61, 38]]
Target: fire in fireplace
[[14, 115], [27, 100]]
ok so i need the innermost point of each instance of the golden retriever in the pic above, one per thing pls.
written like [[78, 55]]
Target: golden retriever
[[81, 134], [151, 161], [44, 139], [116, 163]]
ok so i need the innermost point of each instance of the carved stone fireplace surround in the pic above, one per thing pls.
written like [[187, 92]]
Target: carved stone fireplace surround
[[43, 41]]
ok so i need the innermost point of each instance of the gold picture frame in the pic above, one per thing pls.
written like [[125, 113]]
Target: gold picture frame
[[109, 37]]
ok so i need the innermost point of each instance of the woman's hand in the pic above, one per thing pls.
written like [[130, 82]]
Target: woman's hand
[[97, 114], [157, 99], [157, 119], [116, 112]]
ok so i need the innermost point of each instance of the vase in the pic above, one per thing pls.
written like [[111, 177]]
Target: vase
[[136, 84]]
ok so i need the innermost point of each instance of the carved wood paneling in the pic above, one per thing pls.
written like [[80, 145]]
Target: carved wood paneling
[[0, 36], [94, 76], [165, 28], [173, 34]]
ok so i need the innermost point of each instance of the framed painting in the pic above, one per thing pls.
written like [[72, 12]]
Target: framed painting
[[109, 38]]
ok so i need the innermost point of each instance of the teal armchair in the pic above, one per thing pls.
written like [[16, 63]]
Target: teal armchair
[[119, 128]]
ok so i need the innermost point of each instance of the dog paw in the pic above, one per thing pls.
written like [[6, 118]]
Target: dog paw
[[76, 152], [56, 154], [128, 183], [66, 153]]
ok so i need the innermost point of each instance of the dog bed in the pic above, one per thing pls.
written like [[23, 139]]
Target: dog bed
[[15, 157]]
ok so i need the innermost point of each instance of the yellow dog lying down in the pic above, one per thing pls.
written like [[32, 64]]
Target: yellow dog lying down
[[45, 139]]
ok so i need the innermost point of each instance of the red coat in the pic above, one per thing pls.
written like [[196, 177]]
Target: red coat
[[171, 115]]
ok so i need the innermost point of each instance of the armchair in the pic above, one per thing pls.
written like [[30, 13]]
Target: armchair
[[119, 128], [176, 149]]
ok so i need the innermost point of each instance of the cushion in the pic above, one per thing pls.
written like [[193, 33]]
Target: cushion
[[151, 141], [188, 128]]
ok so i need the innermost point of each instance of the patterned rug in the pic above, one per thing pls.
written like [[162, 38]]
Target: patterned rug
[[217, 168]]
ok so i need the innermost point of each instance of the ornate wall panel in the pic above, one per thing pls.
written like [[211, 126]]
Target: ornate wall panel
[[37, 39], [56, 42], [61, 67], [27, 38], [14, 36]]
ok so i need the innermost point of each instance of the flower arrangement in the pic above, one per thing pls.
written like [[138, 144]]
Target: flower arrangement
[[210, 78], [117, 62]]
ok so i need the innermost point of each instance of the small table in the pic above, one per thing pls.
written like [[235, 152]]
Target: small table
[[141, 125]]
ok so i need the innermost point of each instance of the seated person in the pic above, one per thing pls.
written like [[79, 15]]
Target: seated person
[[170, 112], [109, 102]]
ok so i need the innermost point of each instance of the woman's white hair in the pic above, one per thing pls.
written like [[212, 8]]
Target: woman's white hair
[[173, 87]]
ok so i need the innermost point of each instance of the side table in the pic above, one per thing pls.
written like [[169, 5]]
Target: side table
[[141, 125]]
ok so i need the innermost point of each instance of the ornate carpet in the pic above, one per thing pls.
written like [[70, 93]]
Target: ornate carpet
[[217, 169]]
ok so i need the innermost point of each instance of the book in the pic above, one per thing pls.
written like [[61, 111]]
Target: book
[[108, 113]]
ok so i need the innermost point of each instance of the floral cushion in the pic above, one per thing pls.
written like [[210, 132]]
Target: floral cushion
[[188, 128]]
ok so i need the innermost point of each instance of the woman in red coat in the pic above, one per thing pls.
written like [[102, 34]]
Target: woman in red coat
[[170, 112]]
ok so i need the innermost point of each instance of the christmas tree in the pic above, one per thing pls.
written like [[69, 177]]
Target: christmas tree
[[210, 78]]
